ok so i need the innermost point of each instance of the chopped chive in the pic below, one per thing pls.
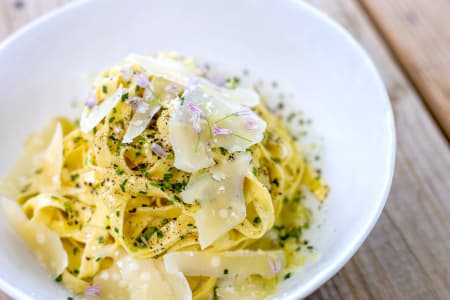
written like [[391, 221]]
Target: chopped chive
[[256, 220], [287, 276], [119, 171], [101, 240], [104, 89], [122, 185], [124, 97], [225, 271], [59, 278], [223, 150]]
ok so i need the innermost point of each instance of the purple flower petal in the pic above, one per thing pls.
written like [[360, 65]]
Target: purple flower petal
[[196, 123], [194, 109], [217, 80], [244, 112], [251, 124], [221, 131], [141, 80], [192, 84], [159, 150], [275, 265], [126, 73], [91, 100], [92, 291], [172, 89], [134, 102]]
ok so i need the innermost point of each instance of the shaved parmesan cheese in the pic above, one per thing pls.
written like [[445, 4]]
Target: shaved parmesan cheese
[[191, 150], [141, 118], [221, 198], [180, 73], [109, 282], [238, 264], [45, 243], [147, 279], [90, 118], [220, 124]]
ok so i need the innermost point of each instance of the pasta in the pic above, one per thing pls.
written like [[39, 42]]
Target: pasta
[[169, 187]]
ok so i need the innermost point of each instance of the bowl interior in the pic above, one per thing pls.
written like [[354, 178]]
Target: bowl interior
[[44, 68]]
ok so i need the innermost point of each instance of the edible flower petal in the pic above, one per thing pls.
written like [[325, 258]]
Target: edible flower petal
[[159, 150], [141, 80], [90, 118], [275, 265], [126, 73], [221, 131], [91, 100], [92, 291]]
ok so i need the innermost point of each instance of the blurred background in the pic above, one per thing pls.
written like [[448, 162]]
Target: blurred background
[[407, 256]]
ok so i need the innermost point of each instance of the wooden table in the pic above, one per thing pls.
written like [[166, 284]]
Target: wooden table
[[407, 256]]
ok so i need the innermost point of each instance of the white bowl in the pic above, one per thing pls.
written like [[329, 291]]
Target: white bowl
[[43, 68]]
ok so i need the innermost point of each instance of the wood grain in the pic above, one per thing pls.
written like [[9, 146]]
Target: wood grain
[[407, 256], [418, 32]]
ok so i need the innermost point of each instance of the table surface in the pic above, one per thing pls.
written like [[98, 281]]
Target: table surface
[[407, 256]]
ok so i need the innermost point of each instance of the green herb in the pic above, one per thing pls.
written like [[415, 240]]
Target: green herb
[[225, 271], [165, 221], [74, 177], [179, 186], [256, 220], [122, 185], [94, 130], [114, 110], [317, 157], [75, 251], [101, 240], [167, 176], [124, 97], [136, 89], [306, 225], [275, 182], [309, 247], [181, 237], [255, 171], [98, 259], [190, 225], [69, 298], [117, 213], [143, 192], [104, 89], [116, 230], [149, 231], [159, 234], [287, 276], [110, 120], [138, 153], [119, 171], [223, 150], [59, 278], [290, 116], [280, 105]]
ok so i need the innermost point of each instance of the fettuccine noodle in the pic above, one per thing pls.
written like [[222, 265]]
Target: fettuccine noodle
[[153, 196]]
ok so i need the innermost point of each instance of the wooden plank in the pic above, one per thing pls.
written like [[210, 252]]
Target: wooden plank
[[407, 256], [419, 34], [408, 252]]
